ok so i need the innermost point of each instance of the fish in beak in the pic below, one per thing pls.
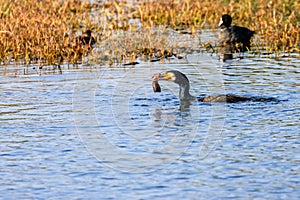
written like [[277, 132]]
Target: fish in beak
[[166, 76], [155, 85]]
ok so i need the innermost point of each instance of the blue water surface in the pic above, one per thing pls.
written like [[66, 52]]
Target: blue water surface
[[102, 133]]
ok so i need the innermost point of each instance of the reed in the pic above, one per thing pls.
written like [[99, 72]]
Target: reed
[[149, 44], [276, 22], [45, 31], [41, 30]]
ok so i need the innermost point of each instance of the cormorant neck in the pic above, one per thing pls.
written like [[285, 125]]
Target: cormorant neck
[[184, 92]]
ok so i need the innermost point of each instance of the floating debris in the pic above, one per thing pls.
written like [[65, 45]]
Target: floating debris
[[131, 63]]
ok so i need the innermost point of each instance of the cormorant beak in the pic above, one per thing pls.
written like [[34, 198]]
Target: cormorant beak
[[155, 77], [165, 76], [160, 76]]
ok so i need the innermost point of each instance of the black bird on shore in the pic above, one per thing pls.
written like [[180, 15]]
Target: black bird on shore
[[234, 37]]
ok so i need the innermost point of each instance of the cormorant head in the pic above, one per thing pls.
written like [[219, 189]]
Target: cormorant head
[[174, 76], [179, 78], [225, 21]]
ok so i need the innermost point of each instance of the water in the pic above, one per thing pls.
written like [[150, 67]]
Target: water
[[101, 133]]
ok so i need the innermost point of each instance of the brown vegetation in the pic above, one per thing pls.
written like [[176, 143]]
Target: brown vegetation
[[276, 22], [46, 30]]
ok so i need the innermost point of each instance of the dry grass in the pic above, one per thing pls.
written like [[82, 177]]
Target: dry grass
[[41, 30], [148, 45], [44, 31], [276, 22]]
